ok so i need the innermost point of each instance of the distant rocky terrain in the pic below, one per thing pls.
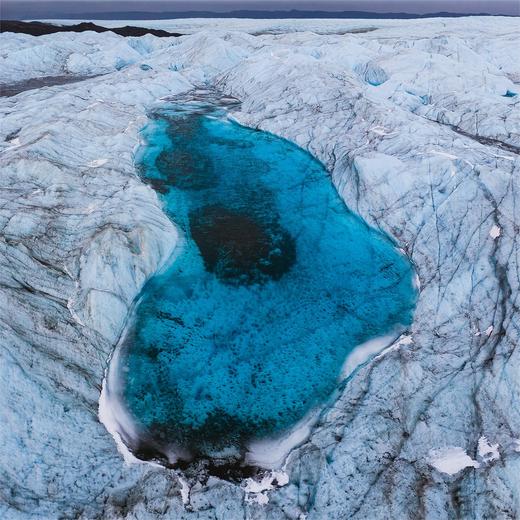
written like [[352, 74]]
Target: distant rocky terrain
[[418, 124], [41, 28]]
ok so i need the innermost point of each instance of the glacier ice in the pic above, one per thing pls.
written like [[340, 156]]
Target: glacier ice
[[430, 156]]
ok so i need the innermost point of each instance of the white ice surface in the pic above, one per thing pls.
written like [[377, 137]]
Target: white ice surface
[[451, 460], [487, 451], [411, 120]]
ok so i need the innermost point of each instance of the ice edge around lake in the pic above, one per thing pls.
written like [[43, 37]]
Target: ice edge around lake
[[269, 453]]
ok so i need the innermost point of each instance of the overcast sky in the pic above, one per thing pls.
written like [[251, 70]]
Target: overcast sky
[[39, 8]]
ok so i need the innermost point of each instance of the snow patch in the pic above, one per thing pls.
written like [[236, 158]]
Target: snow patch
[[106, 416], [487, 451], [185, 491], [364, 352], [256, 491], [495, 232], [405, 339], [271, 453], [96, 163], [451, 460], [260, 498]]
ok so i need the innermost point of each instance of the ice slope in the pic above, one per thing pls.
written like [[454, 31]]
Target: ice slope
[[25, 56], [419, 128]]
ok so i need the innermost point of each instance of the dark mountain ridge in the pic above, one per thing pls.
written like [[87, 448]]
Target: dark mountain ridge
[[41, 28]]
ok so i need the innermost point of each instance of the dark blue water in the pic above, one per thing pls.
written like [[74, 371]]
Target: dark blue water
[[275, 283]]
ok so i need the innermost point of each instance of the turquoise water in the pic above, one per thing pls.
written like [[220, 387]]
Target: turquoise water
[[275, 283]]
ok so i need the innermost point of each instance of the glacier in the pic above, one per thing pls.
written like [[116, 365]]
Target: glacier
[[419, 126]]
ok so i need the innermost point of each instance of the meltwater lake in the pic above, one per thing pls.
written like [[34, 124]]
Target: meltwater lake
[[275, 282]]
